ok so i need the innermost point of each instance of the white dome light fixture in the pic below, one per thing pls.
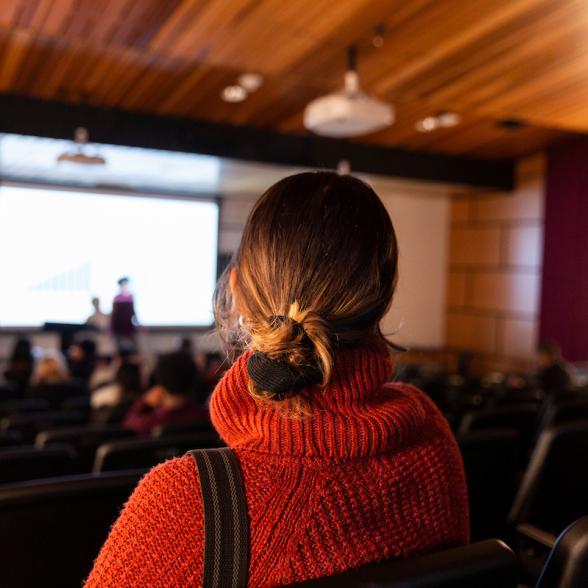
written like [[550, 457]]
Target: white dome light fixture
[[234, 94], [443, 120], [349, 112], [251, 81]]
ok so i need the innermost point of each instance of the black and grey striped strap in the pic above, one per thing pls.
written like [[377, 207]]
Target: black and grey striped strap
[[226, 526]]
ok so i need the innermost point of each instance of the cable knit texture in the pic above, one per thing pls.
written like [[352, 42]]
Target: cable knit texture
[[373, 474]]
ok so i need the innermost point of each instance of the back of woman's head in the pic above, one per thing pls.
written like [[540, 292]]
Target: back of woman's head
[[316, 270]]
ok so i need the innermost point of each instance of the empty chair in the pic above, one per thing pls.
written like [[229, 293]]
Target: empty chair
[[554, 490], [10, 439], [28, 425], [520, 417], [57, 394], [23, 406], [530, 396], [488, 564], [110, 415], [490, 460], [559, 413], [145, 453], [78, 403], [9, 390], [173, 429], [51, 532], [553, 493], [26, 463], [84, 439], [567, 565]]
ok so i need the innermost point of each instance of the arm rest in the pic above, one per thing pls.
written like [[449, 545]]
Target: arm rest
[[538, 535]]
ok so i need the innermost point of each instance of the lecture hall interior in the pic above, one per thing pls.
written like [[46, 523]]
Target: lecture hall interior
[[294, 293]]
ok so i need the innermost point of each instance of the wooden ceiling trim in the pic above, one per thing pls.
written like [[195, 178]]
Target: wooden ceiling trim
[[8, 11], [510, 71], [54, 22], [11, 59], [437, 37], [487, 57]]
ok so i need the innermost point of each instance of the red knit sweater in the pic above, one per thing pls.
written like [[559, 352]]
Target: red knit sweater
[[374, 474]]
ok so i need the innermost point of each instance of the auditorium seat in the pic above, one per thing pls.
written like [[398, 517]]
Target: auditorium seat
[[23, 406], [145, 453], [9, 390], [490, 459], [488, 564], [559, 413], [57, 394], [530, 396], [29, 463], [51, 531], [84, 439], [553, 493], [173, 429], [567, 565], [28, 425], [521, 417], [110, 415], [10, 439], [78, 403]]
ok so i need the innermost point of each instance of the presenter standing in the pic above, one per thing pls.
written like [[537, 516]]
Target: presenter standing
[[123, 321]]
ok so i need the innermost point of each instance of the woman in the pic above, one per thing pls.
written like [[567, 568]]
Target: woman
[[341, 467], [51, 380], [50, 370]]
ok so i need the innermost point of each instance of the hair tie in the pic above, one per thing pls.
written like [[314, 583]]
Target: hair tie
[[280, 377]]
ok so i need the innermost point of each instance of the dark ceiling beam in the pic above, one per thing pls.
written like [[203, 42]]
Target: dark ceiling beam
[[30, 116]]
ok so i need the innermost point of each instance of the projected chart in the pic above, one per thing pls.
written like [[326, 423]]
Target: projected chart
[[61, 248]]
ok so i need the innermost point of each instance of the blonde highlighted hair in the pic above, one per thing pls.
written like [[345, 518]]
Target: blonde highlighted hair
[[315, 271]]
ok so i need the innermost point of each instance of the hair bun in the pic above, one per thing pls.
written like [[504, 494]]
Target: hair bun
[[279, 377]]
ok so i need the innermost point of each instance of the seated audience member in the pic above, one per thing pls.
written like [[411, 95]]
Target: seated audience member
[[341, 467], [50, 369], [104, 372], [51, 380], [82, 359], [185, 345], [170, 399], [20, 365], [553, 375], [125, 388]]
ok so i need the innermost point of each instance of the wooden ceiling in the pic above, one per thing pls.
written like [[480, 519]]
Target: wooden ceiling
[[486, 59]]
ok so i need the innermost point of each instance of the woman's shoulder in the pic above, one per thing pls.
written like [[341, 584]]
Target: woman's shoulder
[[160, 526], [417, 402], [410, 393]]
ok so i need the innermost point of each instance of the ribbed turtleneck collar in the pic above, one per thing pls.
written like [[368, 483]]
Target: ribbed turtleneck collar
[[355, 416]]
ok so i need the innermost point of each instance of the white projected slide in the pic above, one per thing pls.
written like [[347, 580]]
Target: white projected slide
[[58, 249]]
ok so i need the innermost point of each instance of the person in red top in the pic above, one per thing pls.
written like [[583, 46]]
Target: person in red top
[[172, 399], [341, 466], [123, 320]]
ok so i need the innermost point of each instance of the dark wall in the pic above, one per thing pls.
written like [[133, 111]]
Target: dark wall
[[564, 292]]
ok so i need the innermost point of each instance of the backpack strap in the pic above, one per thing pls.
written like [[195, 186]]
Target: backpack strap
[[226, 525]]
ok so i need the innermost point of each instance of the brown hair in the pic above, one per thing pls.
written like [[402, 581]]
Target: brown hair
[[316, 270]]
